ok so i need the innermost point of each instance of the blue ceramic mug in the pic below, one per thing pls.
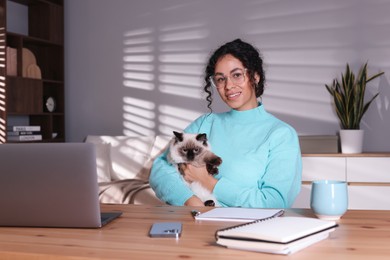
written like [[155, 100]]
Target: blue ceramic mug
[[329, 199]]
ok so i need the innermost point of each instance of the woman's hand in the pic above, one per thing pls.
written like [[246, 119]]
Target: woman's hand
[[199, 174], [194, 202]]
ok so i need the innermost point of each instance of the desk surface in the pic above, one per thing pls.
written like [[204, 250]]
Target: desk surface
[[361, 235]]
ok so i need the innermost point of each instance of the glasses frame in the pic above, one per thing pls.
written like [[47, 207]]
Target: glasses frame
[[215, 86]]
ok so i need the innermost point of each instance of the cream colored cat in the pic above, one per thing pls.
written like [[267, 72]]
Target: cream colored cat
[[194, 149]]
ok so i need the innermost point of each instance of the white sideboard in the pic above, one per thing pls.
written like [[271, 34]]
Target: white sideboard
[[367, 174]]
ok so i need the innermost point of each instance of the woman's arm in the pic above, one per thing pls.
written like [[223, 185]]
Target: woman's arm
[[167, 182]]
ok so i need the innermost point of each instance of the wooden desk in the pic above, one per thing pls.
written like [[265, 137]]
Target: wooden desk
[[361, 235]]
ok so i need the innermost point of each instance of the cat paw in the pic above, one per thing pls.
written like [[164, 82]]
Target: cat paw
[[212, 165], [212, 169], [209, 203], [215, 161]]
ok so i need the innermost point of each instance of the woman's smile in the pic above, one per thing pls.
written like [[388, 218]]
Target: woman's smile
[[233, 95]]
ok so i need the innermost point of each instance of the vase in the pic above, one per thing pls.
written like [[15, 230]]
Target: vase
[[351, 140]]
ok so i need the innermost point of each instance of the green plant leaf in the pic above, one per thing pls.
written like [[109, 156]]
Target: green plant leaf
[[348, 96], [375, 76]]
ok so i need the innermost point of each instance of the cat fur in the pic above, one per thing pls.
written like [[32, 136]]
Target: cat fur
[[185, 148]]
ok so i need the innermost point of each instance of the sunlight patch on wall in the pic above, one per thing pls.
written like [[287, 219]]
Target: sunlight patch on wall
[[300, 109], [178, 112], [302, 92], [171, 123], [174, 118], [284, 90], [191, 58], [139, 76], [187, 86], [279, 9], [326, 59], [163, 63], [184, 36], [132, 129], [181, 59], [138, 49], [301, 57], [140, 121], [138, 117], [138, 67], [281, 18], [139, 35], [138, 59], [183, 32], [138, 84], [189, 69], [181, 91], [179, 47], [140, 112]]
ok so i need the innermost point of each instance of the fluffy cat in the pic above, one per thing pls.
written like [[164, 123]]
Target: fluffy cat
[[194, 149]]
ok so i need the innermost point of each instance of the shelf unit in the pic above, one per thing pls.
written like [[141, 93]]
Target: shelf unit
[[22, 98], [367, 175]]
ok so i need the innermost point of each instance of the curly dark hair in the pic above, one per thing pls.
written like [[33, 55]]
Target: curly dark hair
[[249, 57]]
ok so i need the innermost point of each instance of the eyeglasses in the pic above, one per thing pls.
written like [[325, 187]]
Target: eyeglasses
[[219, 80]]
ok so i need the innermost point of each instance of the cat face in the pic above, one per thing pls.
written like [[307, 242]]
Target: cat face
[[193, 149], [188, 147]]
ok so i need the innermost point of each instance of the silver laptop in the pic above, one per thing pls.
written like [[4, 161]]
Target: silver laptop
[[50, 185]]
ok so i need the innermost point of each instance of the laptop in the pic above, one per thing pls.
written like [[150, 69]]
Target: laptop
[[50, 185]]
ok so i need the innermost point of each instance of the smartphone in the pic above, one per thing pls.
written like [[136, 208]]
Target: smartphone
[[165, 229]]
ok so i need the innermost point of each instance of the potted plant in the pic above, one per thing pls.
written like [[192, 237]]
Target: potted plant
[[348, 97]]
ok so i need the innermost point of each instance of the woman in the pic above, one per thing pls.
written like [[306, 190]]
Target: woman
[[261, 156]]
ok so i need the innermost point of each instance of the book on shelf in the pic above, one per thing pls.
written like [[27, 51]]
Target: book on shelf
[[25, 138], [276, 235], [17, 133], [33, 128]]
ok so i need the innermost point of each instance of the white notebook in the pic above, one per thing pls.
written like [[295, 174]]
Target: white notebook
[[238, 214], [277, 235]]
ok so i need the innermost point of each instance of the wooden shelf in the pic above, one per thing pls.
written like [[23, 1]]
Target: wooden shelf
[[24, 97], [32, 39], [365, 154]]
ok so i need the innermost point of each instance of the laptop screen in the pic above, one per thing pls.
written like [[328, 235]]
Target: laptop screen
[[49, 185]]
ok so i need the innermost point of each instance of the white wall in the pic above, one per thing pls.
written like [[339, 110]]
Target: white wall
[[137, 66]]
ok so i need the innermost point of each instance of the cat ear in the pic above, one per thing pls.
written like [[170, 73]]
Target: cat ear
[[179, 136], [202, 138]]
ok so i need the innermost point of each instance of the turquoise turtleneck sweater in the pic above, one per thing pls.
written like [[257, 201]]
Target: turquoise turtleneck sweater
[[261, 165]]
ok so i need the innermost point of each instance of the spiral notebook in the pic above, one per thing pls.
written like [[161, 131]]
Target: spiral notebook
[[238, 214], [276, 235]]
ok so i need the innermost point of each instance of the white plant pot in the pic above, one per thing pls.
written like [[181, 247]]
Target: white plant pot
[[351, 140]]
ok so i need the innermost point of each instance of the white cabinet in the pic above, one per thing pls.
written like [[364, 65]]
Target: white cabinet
[[369, 169], [303, 199], [368, 197], [368, 177], [319, 168]]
